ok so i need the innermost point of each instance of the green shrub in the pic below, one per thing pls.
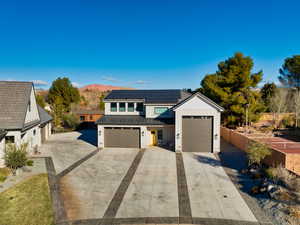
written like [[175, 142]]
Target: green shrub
[[15, 157], [256, 152], [70, 121], [29, 163]]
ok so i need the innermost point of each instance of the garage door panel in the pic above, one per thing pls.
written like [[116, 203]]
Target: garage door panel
[[122, 137], [197, 133]]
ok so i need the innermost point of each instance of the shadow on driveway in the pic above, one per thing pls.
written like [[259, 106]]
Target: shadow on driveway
[[89, 136]]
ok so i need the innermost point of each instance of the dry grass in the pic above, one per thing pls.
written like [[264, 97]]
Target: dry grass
[[4, 172], [289, 179], [27, 203]]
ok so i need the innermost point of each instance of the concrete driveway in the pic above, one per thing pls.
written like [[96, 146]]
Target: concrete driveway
[[153, 186]]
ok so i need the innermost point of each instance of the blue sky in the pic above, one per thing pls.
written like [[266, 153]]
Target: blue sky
[[142, 43]]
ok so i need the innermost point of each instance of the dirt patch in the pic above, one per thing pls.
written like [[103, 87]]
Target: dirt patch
[[71, 202]]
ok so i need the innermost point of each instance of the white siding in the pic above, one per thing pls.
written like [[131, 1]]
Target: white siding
[[197, 107], [27, 137], [168, 134], [32, 113], [108, 112], [2, 149]]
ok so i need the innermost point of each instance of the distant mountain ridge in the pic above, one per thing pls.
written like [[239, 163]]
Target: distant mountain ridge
[[103, 88]]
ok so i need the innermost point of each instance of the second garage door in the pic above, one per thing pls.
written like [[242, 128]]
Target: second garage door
[[122, 137], [197, 133]]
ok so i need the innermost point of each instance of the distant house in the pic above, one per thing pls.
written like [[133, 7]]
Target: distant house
[[20, 116], [175, 118], [85, 115]]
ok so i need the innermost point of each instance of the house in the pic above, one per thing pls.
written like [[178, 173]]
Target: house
[[86, 115], [2, 146], [168, 118], [20, 116]]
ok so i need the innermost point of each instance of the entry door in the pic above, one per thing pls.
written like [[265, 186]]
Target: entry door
[[197, 133], [154, 137]]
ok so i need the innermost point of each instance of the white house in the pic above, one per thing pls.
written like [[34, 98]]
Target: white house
[[20, 116], [169, 118]]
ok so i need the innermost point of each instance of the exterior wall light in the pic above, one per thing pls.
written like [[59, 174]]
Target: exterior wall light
[[177, 135], [143, 133], [216, 136], [99, 132]]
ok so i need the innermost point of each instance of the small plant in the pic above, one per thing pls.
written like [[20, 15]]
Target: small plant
[[15, 157], [29, 163], [4, 172], [256, 152], [271, 173]]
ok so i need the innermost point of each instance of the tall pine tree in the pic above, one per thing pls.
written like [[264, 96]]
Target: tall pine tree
[[232, 87]]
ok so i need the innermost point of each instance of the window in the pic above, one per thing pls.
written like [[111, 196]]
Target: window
[[140, 107], [122, 107], [159, 134], [29, 106], [130, 107], [91, 117], [113, 107], [9, 139], [160, 110], [82, 118], [34, 132]]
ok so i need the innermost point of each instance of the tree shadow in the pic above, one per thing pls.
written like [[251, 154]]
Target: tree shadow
[[207, 160], [89, 136]]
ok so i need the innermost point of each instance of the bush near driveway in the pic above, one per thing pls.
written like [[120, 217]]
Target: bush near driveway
[[256, 152], [27, 203]]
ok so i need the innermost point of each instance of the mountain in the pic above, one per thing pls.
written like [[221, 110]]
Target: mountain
[[102, 88]]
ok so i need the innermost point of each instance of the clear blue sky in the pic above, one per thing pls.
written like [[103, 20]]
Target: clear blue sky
[[142, 43]]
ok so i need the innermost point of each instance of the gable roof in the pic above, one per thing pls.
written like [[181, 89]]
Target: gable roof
[[44, 115], [14, 99], [167, 96], [203, 98]]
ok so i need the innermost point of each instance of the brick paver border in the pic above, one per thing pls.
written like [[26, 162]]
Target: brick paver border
[[185, 212], [116, 201]]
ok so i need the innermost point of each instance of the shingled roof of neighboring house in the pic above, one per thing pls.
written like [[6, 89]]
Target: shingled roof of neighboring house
[[171, 96], [89, 112], [133, 120], [14, 99], [44, 115]]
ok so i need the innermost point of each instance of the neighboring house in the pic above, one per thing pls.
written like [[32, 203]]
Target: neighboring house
[[86, 115], [2, 146], [20, 115], [168, 118]]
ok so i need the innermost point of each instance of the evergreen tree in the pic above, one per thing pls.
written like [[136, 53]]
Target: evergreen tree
[[290, 72], [267, 92], [232, 87], [63, 89]]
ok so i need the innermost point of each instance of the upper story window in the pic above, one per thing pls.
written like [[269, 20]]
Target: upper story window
[[140, 107], [29, 106], [113, 107], [122, 107], [160, 110], [130, 107]]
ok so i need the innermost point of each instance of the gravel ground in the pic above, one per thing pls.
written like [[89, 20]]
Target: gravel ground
[[266, 210]]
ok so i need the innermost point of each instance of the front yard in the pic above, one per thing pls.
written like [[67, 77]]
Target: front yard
[[27, 203]]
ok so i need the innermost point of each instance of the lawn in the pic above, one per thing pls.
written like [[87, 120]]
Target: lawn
[[27, 203], [4, 172]]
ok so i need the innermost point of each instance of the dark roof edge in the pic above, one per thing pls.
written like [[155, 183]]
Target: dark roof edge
[[204, 98]]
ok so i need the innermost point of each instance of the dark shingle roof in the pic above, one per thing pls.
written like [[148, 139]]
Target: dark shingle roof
[[44, 116], [133, 120], [87, 111], [149, 96], [14, 98]]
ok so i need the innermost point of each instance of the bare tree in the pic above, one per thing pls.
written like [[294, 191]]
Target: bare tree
[[279, 103]]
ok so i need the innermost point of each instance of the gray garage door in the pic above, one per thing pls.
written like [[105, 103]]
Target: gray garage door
[[122, 137], [197, 133]]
